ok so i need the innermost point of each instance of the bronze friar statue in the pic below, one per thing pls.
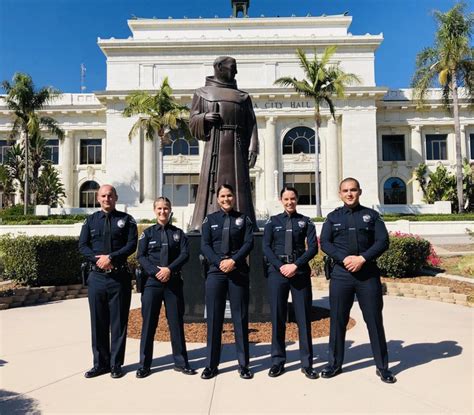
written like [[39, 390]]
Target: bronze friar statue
[[223, 116]]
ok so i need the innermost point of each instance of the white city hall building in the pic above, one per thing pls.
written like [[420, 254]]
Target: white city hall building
[[378, 135]]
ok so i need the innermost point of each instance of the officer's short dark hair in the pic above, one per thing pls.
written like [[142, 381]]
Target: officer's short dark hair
[[162, 199], [225, 186], [289, 189], [350, 179]]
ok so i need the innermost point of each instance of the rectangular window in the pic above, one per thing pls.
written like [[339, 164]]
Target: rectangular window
[[52, 151], [304, 184], [181, 189], [393, 147], [91, 151], [471, 143], [4, 147], [436, 147]]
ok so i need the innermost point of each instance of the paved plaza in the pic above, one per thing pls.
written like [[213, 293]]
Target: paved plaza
[[45, 350]]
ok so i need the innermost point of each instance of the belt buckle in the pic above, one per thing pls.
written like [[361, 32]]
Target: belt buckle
[[108, 271]]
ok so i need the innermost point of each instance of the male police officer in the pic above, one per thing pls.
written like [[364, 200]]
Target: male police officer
[[354, 237], [107, 238]]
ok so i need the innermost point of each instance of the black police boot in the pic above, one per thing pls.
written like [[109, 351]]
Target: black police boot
[[310, 373], [276, 370], [245, 372], [186, 370], [96, 371], [330, 371], [209, 373], [116, 372], [143, 372]]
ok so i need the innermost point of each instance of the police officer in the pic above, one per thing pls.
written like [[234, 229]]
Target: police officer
[[284, 245], [355, 236], [162, 251], [227, 239], [107, 238]]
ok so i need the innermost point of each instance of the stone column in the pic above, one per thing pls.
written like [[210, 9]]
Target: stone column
[[67, 163], [332, 161], [271, 158], [149, 170], [416, 158]]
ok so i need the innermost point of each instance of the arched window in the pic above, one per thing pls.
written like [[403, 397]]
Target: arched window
[[88, 195], [394, 192], [179, 145], [299, 140]]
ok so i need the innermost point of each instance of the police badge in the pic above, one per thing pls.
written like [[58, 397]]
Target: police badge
[[176, 237], [239, 221], [366, 218], [301, 223], [120, 223]]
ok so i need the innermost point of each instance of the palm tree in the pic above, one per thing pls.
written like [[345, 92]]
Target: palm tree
[[450, 64], [323, 81], [25, 102], [158, 115]]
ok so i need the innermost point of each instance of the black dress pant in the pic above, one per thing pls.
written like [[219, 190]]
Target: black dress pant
[[342, 288], [302, 297], [109, 304], [218, 286], [154, 294]]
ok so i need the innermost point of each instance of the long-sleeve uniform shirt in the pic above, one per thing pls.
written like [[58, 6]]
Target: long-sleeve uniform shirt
[[240, 240], [370, 233], [305, 245], [150, 245], [123, 237]]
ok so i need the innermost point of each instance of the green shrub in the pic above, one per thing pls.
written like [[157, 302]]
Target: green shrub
[[41, 260], [406, 256], [16, 210], [317, 264]]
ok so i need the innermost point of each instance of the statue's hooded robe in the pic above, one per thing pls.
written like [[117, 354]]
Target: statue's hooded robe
[[226, 152]]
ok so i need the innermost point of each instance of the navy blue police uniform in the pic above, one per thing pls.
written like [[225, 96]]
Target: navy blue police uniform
[[163, 246], [356, 231], [303, 247], [109, 290], [238, 243]]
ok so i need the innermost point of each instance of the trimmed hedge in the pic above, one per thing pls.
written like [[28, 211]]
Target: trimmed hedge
[[41, 260], [407, 255]]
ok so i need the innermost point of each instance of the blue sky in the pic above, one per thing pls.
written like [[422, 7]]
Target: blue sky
[[49, 39]]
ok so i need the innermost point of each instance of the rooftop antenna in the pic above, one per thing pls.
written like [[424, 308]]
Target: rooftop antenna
[[83, 77]]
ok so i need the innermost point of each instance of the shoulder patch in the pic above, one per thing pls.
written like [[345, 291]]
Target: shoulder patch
[[85, 222], [132, 220], [142, 235], [205, 220]]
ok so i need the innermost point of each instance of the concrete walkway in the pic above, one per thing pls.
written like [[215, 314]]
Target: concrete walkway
[[45, 350]]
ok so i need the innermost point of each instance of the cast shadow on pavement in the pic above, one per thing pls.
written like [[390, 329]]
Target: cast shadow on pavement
[[15, 403], [408, 356]]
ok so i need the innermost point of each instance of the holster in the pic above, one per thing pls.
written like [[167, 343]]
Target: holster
[[328, 266], [140, 277], [85, 270], [204, 265]]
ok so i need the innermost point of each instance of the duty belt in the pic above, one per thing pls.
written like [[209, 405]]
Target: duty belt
[[120, 268], [287, 259]]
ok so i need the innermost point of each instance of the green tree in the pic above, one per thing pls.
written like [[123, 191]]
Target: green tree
[[440, 185], [323, 82], [6, 186], [158, 115], [25, 102], [449, 64], [50, 190]]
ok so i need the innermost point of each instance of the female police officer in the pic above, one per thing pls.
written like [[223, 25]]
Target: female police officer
[[284, 247], [227, 239], [162, 251]]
